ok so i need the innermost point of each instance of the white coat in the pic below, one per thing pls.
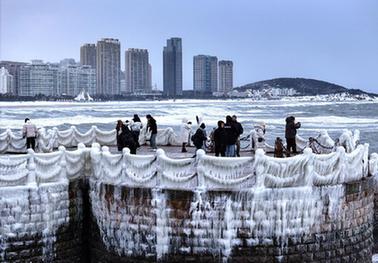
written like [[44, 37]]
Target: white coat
[[186, 130]]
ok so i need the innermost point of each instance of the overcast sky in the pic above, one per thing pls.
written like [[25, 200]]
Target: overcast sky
[[335, 41]]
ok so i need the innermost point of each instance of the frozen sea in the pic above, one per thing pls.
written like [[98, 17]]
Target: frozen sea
[[332, 116]]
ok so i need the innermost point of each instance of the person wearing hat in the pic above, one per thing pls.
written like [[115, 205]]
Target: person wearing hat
[[29, 131]]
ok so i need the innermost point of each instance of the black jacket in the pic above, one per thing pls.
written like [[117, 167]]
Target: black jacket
[[239, 127], [219, 137], [125, 139], [198, 138], [291, 128], [231, 133], [151, 125]]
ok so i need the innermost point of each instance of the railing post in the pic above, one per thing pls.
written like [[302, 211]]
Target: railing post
[[309, 167], [32, 179], [63, 164], [342, 160], [200, 154], [94, 134], [260, 176], [366, 160], [95, 160], [159, 153]]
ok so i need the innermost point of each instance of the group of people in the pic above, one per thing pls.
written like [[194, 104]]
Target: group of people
[[128, 133], [225, 138]]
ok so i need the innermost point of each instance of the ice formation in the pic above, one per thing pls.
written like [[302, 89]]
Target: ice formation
[[260, 197], [263, 196], [34, 195]]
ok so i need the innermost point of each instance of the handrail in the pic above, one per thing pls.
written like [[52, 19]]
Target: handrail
[[204, 171], [48, 140]]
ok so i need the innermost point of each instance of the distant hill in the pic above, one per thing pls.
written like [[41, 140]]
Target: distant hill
[[307, 87]]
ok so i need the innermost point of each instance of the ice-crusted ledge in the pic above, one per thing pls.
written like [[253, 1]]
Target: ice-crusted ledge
[[264, 196]]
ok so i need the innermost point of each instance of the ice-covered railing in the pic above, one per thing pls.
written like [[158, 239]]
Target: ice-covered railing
[[48, 140], [321, 144], [33, 169], [208, 172], [203, 171], [51, 139]]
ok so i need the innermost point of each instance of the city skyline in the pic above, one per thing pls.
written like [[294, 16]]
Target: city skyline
[[335, 42]]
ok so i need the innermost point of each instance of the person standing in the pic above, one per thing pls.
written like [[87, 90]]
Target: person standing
[[200, 137], [120, 128], [231, 136], [219, 140], [290, 134], [152, 127], [125, 138], [240, 131], [186, 130], [29, 131], [136, 126]]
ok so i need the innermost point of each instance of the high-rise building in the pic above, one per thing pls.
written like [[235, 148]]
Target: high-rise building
[[137, 71], [6, 81], [205, 74], [172, 68], [13, 69], [149, 81], [226, 83], [38, 78], [74, 78], [108, 66], [88, 55]]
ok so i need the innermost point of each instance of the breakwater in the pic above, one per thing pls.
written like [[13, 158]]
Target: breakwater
[[90, 204]]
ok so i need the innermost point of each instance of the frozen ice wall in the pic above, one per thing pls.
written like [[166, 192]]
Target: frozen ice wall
[[27, 213]]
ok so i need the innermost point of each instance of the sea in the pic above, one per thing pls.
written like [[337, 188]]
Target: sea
[[313, 115]]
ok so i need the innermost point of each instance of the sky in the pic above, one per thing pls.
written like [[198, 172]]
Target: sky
[[335, 41]]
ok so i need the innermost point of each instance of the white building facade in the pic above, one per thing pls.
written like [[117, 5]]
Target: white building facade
[[6, 81], [226, 82], [137, 71]]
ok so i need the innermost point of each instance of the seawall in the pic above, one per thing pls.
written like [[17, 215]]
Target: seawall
[[93, 206]]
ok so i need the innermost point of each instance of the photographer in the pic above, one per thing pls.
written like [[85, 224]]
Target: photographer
[[290, 134]]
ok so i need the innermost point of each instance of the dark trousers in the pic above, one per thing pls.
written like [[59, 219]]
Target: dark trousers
[[220, 149], [30, 143], [136, 137], [291, 145], [238, 147]]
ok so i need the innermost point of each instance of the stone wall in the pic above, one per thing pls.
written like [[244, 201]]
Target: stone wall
[[41, 224], [108, 223], [149, 225]]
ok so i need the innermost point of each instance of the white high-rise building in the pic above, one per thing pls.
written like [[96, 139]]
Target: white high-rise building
[[225, 76], [108, 65], [6, 81], [137, 71], [38, 78], [74, 78]]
